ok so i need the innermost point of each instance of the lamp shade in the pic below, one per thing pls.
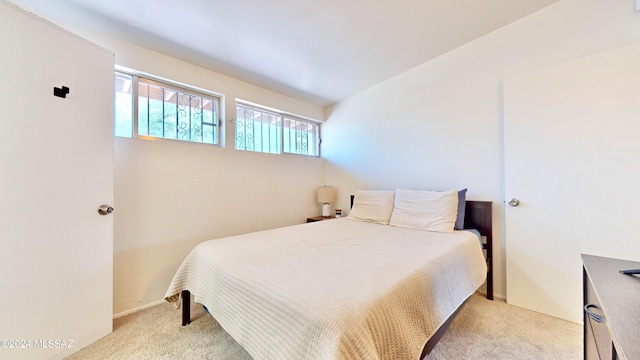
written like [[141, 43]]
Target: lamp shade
[[325, 194]]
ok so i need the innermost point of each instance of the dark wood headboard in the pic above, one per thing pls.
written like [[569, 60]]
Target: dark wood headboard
[[478, 216]]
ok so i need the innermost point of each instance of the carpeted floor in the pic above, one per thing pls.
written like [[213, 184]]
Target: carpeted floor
[[482, 330]]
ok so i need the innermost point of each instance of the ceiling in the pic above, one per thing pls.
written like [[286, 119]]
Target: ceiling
[[319, 51]]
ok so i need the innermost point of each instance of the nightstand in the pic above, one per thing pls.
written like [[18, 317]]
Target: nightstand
[[319, 218]]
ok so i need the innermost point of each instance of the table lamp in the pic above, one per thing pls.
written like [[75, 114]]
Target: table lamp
[[325, 196]]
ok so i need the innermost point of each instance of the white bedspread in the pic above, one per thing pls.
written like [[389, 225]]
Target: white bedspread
[[338, 289]]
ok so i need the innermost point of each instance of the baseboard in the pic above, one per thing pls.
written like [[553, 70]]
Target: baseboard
[[499, 297], [124, 313], [495, 295]]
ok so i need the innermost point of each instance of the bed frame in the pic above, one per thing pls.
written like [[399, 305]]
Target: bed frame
[[477, 216]]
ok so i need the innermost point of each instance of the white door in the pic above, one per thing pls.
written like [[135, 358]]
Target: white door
[[56, 168], [572, 158]]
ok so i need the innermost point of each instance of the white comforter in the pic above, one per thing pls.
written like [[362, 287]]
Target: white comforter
[[338, 289]]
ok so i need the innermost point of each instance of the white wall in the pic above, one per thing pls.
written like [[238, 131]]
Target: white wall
[[171, 195], [439, 125]]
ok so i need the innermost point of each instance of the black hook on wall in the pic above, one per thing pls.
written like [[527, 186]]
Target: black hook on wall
[[61, 92]]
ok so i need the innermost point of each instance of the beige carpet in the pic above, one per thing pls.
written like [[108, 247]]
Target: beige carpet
[[482, 330]]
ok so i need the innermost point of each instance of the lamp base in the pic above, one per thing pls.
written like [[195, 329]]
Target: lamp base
[[326, 209]]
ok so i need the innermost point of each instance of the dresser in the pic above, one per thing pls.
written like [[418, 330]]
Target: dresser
[[611, 309]]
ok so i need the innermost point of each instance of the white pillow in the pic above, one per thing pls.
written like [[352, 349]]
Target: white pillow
[[372, 206], [425, 210]]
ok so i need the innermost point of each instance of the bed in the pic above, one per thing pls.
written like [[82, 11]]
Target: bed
[[338, 289]]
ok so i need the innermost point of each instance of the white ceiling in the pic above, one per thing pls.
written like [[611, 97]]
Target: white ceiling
[[320, 51]]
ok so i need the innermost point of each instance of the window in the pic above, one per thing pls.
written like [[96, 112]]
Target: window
[[258, 130], [262, 130], [300, 136], [123, 112], [165, 111]]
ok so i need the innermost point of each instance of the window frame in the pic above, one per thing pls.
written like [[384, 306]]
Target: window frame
[[178, 88], [282, 116]]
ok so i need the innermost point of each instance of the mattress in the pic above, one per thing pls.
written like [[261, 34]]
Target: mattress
[[337, 289]]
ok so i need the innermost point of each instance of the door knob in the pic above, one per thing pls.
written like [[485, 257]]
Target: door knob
[[105, 209], [514, 202]]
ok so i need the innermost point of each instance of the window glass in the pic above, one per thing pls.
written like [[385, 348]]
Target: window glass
[[123, 112], [165, 111], [258, 130], [301, 137], [268, 131]]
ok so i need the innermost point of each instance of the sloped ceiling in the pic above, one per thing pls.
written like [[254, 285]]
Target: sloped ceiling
[[320, 51]]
